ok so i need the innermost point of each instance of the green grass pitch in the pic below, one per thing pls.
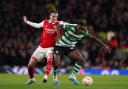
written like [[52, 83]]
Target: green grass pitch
[[10, 81]]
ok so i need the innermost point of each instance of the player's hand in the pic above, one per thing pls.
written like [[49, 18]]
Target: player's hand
[[25, 19], [107, 48], [57, 27]]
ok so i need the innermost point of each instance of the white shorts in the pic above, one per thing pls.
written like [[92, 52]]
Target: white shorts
[[41, 53]]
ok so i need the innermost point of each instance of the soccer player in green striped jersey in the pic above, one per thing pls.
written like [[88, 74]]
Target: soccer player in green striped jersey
[[65, 46]]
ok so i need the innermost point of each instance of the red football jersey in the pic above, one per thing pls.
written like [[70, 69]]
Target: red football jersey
[[48, 37]]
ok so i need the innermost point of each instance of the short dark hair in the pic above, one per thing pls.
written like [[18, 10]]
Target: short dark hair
[[86, 28], [81, 27], [53, 10]]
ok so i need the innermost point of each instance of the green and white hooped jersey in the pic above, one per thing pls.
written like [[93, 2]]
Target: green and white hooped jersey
[[70, 36]]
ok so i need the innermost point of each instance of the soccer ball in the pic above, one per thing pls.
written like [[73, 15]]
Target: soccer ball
[[87, 81]]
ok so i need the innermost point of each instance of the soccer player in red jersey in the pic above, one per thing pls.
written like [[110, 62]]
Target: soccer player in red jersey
[[45, 48]]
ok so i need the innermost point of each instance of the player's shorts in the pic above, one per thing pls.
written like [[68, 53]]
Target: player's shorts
[[41, 53], [60, 50]]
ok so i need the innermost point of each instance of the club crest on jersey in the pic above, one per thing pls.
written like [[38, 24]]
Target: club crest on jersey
[[57, 51]]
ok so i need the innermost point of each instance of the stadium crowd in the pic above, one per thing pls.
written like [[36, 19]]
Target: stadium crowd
[[108, 18]]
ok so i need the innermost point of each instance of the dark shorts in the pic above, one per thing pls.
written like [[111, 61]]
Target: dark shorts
[[60, 50]]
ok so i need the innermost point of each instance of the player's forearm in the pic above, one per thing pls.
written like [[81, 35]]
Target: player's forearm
[[35, 25], [97, 40], [59, 35]]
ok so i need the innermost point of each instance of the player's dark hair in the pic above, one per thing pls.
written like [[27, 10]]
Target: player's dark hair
[[53, 10], [81, 27], [88, 28]]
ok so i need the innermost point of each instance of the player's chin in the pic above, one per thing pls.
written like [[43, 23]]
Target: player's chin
[[55, 19]]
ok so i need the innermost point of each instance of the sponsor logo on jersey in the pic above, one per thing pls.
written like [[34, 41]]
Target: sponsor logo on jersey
[[51, 31]]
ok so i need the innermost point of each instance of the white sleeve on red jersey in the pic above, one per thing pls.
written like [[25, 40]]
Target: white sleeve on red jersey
[[35, 25]]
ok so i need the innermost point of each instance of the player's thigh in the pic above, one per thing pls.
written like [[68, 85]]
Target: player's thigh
[[39, 54], [49, 53], [58, 52], [75, 55]]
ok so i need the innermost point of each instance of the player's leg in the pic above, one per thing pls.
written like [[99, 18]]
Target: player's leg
[[48, 66], [58, 52], [37, 56], [55, 68], [31, 65], [79, 61]]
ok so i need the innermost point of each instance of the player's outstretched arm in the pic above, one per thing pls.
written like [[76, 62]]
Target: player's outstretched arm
[[105, 47], [35, 25]]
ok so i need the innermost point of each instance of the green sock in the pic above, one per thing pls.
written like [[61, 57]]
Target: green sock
[[55, 71], [77, 67]]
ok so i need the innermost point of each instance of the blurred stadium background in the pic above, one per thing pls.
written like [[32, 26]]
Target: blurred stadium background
[[108, 18]]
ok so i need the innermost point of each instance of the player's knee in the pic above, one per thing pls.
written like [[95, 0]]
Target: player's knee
[[56, 63], [30, 65], [50, 56], [81, 60], [55, 67]]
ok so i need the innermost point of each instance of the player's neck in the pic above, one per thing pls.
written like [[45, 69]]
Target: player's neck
[[52, 21]]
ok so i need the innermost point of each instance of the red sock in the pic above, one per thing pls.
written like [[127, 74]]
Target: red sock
[[48, 67], [31, 72]]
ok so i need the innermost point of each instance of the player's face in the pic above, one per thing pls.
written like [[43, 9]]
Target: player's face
[[53, 16], [80, 29]]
